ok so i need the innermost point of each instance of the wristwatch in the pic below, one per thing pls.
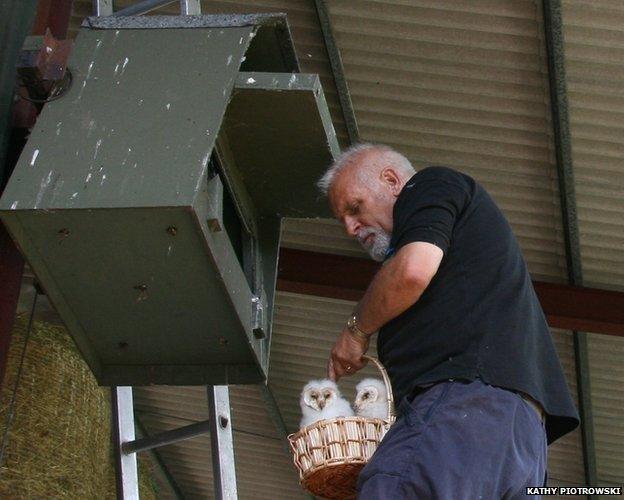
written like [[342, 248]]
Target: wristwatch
[[355, 329]]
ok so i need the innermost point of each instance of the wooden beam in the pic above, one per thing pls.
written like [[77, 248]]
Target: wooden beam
[[11, 268], [55, 15], [583, 309], [340, 277]]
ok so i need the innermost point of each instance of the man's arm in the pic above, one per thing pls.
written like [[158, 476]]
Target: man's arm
[[395, 287]]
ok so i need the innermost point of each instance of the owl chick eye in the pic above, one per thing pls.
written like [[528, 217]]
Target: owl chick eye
[[327, 394], [365, 395], [314, 396]]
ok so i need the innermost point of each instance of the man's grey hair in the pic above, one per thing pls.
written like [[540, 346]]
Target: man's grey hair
[[385, 155]]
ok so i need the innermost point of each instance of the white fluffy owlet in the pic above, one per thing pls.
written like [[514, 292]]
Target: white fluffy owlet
[[371, 400], [321, 399]]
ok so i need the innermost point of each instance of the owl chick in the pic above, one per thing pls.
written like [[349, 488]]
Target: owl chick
[[371, 400], [321, 399]]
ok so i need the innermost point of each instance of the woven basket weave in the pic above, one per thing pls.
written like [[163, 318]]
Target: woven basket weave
[[330, 454]]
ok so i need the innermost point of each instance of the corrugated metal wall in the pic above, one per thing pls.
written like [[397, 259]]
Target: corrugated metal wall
[[607, 382], [461, 84], [565, 460], [594, 33], [594, 45]]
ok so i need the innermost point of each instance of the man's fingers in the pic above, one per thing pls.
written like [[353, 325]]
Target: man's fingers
[[343, 368], [357, 365], [331, 374], [350, 365], [350, 369], [338, 370], [338, 373], [346, 357]]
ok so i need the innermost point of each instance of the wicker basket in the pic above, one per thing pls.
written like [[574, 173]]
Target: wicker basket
[[330, 454]]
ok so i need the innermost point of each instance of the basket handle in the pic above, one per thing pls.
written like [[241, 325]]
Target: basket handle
[[386, 379]]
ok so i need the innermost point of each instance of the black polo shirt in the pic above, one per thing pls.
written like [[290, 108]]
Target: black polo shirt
[[479, 317]]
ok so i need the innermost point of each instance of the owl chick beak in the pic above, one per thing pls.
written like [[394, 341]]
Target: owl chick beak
[[321, 404]]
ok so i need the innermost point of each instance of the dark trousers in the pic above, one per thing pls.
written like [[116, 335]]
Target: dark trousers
[[459, 440]]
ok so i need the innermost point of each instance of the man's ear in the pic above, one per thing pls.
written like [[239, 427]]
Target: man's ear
[[389, 177]]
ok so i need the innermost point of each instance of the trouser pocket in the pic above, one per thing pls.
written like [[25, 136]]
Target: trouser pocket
[[420, 410]]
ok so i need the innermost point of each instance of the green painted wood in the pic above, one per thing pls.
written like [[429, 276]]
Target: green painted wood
[[291, 107], [131, 132], [116, 207]]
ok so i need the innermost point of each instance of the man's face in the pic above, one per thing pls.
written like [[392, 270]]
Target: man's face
[[364, 206]]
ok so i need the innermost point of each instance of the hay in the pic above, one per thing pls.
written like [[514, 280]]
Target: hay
[[59, 443]]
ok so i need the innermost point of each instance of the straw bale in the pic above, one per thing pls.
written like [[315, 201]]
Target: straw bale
[[59, 442]]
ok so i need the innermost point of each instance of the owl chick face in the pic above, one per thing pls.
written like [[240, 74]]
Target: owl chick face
[[318, 394], [366, 397], [370, 393]]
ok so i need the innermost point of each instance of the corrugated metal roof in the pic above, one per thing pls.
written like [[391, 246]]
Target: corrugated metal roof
[[594, 34], [594, 47], [607, 384], [462, 84], [565, 456], [319, 235]]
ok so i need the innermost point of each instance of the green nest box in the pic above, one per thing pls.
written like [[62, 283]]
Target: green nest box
[[149, 197]]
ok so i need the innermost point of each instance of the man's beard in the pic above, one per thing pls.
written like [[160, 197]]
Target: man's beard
[[378, 247]]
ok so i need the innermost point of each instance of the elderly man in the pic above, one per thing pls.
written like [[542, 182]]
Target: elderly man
[[461, 333]]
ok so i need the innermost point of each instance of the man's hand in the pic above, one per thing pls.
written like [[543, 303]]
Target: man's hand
[[346, 355]]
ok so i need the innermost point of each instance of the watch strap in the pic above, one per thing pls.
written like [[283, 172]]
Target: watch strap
[[356, 331]]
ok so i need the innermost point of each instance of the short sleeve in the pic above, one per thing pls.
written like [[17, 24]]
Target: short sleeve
[[428, 208]]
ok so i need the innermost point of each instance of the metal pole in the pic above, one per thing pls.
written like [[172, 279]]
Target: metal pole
[[190, 7], [142, 7], [553, 32], [275, 414], [123, 431], [161, 467], [224, 473], [338, 71], [102, 7], [168, 437]]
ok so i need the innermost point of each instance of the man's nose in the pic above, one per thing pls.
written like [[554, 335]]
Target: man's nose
[[352, 226]]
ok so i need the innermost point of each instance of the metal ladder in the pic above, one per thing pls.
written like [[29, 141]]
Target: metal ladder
[[218, 425]]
